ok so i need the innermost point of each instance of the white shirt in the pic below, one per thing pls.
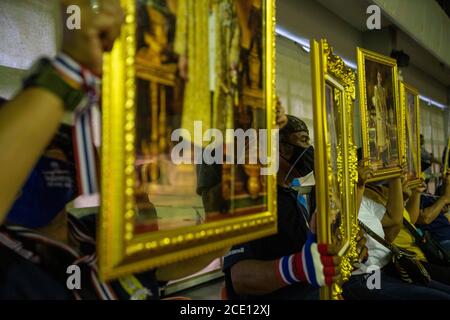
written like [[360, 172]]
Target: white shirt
[[371, 213]]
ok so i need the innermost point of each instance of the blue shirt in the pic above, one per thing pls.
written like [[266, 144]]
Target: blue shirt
[[440, 227]]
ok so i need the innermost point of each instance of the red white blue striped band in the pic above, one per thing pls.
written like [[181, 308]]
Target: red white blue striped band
[[85, 151]]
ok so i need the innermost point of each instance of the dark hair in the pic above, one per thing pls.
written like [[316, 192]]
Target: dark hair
[[293, 125]]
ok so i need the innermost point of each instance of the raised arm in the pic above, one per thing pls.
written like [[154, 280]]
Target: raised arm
[[392, 220], [413, 204], [255, 277]]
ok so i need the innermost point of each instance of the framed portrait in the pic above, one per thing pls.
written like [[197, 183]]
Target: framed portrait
[[188, 101], [336, 160], [381, 115], [409, 100]]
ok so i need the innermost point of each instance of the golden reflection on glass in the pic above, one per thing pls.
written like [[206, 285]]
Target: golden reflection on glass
[[199, 66]]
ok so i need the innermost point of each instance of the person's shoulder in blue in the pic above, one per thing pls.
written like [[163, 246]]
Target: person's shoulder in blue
[[40, 242]]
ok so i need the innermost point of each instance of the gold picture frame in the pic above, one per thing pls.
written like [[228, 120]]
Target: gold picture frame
[[382, 118], [336, 173], [446, 157], [410, 103], [121, 250]]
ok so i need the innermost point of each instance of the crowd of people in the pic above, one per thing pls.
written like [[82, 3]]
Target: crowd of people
[[39, 239]]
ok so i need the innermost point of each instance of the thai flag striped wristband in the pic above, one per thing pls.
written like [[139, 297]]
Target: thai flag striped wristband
[[86, 156], [312, 265]]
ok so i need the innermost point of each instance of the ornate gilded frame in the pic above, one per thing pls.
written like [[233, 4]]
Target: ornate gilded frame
[[329, 69], [364, 55], [404, 90], [120, 251]]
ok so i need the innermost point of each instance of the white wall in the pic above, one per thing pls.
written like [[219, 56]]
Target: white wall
[[27, 31]]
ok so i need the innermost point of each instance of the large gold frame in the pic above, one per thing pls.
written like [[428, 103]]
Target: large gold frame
[[404, 88], [447, 153], [330, 69], [387, 173], [121, 252]]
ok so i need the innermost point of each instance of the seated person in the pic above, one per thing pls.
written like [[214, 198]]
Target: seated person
[[384, 217], [432, 216], [39, 241], [279, 266], [209, 176]]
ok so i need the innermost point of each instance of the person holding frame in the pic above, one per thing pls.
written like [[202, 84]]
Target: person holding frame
[[280, 266]]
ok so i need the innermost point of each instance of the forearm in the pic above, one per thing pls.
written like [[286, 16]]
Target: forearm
[[187, 267], [428, 215], [394, 206], [413, 207], [254, 277], [27, 125]]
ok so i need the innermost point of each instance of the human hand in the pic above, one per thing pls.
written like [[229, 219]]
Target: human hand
[[183, 67], [97, 34]]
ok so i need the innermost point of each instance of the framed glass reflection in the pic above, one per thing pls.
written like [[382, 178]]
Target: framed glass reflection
[[409, 100], [188, 95], [335, 157], [381, 115]]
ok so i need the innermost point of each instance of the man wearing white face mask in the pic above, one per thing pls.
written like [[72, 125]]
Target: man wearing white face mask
[[290, 264]]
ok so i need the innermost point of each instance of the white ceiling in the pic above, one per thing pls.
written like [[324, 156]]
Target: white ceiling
[[353, 12]]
